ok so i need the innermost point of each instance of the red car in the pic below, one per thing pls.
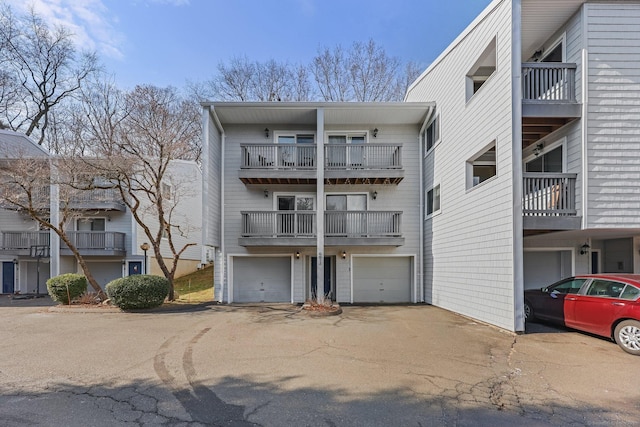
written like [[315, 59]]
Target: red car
[[602, 304]]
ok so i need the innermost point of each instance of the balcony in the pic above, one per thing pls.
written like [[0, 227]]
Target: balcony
[[104, 199], [88, 242], [548, 98], [371, 163], [342, 228], [549, 201]]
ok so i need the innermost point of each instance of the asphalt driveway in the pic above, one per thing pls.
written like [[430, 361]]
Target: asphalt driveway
[[275, 366]]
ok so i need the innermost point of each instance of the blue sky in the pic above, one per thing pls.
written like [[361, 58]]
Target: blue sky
[[170, 42]]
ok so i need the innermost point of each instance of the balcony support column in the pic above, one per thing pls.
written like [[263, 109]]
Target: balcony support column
[[54, 212], [320, 203]]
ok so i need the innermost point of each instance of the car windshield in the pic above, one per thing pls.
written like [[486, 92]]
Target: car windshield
[[570, 286]]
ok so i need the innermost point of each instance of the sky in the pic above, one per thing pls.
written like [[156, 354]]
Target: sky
[[172, 42]]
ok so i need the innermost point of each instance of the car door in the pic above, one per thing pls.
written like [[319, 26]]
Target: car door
[[595, 310], [550, 304]]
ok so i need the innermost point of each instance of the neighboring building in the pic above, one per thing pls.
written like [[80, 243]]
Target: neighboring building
[[102, 228], [288, 184], [519, 164], [537, 153]]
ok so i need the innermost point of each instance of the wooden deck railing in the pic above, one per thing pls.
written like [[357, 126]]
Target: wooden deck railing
[[337, 223], [548, 81], [549, 194]]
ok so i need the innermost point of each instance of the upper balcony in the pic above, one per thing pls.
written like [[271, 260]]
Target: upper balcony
[[87, 242], [342, 228], [548, 98], [549, 202], [371, 163]]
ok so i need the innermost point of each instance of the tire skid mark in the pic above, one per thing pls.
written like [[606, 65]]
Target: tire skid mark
[[199, 401]]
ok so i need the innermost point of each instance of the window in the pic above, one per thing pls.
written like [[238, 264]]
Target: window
[[482, 166], [605, 288], [295, 150], [630, 293], [346, 214], [550, 161], [346, 149], [431, 135], [295, 214], [90, 224], [570, 286], [432, 202], [483, 68], [166, 191]]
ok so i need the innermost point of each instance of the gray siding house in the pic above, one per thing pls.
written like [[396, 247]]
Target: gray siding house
[[101, 227], [514, 162], [298, 194], [537, 159]]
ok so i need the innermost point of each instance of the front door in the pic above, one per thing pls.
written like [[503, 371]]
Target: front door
[[327, 277], [8, 277], [135, 267]]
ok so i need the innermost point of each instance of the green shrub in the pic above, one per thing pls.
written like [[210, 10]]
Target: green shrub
[[66, 287], [138, 291]]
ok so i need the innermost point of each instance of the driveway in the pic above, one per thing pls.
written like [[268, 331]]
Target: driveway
[[274, 366]]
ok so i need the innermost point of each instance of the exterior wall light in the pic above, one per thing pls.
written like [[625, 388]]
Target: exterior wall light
[[266, 132], [298, 255], [266, 193], [374, 195], [344, 255], [584, 249], [375, 133]]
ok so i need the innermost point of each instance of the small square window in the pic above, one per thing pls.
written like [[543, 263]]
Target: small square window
[[482, 166], [431, 135], [432, 202]]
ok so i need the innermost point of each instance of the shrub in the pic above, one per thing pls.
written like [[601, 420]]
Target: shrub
[[66, 287], [138, 291]]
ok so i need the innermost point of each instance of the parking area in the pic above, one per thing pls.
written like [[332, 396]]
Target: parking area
[[272, 365]]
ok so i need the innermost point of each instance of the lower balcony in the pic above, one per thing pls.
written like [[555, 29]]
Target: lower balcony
[[103, 243], [342, 228], [549, 201]]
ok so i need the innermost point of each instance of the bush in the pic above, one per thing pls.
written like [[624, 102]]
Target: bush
[[138, 291], [66, 287]]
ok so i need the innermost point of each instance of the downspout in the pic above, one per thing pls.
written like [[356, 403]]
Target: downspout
[[422, 201], [221, 257], [585, 116], [516, 160], [320, 205]]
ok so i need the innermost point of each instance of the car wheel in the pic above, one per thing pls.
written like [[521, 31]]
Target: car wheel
[[528, 312], [627, 336]]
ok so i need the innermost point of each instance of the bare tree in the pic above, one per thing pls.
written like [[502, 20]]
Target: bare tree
[[41, 68], [372, 73], [330, 71], [27, 184], [136, 155]]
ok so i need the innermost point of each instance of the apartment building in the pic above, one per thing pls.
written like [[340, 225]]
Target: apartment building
[[99, 225], [537, 155], [514, 162], [301, 194]]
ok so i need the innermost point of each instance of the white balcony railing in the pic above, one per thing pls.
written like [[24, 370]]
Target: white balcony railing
[[548, 82], [337, 156], [549, 194], [337, 224], [82, 240]]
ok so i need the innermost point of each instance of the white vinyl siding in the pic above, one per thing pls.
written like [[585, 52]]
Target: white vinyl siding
[[613, 115], [469, 261]]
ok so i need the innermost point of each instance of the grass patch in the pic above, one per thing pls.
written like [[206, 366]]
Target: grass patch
[[195, 287]]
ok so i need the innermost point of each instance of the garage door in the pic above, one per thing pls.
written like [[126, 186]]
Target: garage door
[[382, 279], [542, 268], [262, 279], [104, 272]]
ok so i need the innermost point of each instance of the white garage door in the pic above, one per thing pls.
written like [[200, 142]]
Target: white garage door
[[542, 268], [104, 272], [262, 279], [379, 279]]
